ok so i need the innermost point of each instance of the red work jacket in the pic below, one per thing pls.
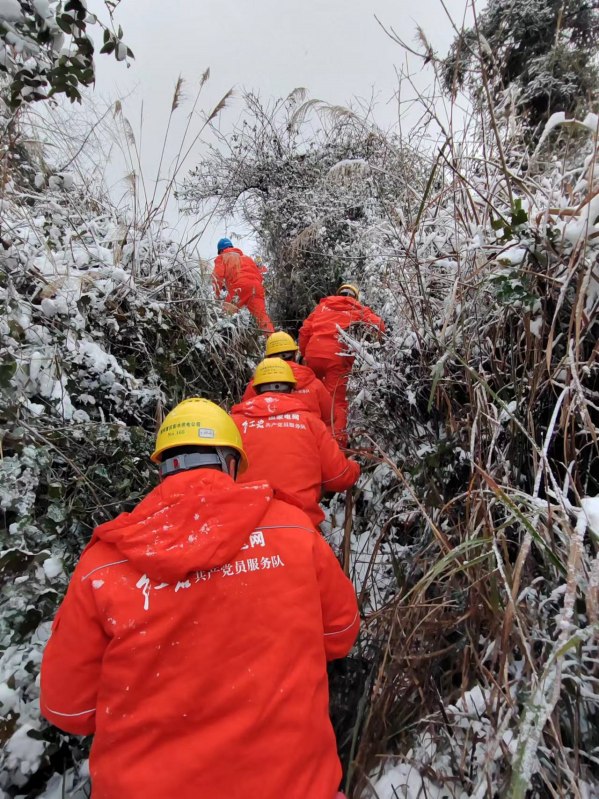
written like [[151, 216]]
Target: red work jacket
[[319, 337], [309, 389], [192, 642], [291, 448]]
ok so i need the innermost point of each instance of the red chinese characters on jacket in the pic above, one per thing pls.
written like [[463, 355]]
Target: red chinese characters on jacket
[[291, 448], [193, 641], [242, 278], [309, 389], [325, 353]]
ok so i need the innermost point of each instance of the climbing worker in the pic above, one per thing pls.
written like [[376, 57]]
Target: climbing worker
[[193, 638], [311, 390], [242, 278], [326, 355], [288, 445]]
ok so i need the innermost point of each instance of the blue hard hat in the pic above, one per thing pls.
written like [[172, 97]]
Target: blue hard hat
[[224, 244]]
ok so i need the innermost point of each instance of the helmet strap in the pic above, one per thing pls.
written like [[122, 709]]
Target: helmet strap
[[232, 461], [225, 458], [289, 355], [279, 388]]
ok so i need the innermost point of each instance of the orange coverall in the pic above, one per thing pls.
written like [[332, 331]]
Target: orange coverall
[[242, 279], [323, 352]]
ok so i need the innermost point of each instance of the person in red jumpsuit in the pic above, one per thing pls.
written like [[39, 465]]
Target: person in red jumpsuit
[[310, 389], [242, 278], [193, 639], [326, 355], [287, 444]]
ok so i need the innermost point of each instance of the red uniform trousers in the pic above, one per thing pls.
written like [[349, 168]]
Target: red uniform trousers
[[252, 296], [334, 371]]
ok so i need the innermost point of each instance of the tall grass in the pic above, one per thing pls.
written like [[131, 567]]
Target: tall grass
[[478, 578]]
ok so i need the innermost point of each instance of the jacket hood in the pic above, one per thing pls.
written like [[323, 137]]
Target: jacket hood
[[270, 405], [231, 249], [193, 521], [340, 303], [303, 374]]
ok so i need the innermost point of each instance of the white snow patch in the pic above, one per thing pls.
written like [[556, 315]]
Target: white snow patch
[[97, 359], [472, 703], [590, 506], [10, 10], [535, 326], [42, 7], [349, 166], [508, 412], [9, 699], [401, 782], [512, 256], [52, 568], [591, 122], [554, 120], [51, 308], [24, 751]]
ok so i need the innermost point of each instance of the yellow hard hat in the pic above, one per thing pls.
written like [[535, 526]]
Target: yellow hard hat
[[349, 287], [280, 342], [201, 423], [273, 370]]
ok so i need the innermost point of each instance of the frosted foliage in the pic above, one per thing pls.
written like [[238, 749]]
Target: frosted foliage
[[462, 296], [23, 751], [539, 58], [19, 479], [45, 49], [104, 324], [475, 421]]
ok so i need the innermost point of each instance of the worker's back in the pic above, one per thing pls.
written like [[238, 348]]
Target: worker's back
[[319, 335], [291, 448], [236, 268], [214, 607], [309, 389]]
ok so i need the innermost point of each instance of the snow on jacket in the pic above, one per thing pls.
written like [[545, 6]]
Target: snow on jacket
[[233, 269], [309, 388], [193, 642], [291, 448], [319, 336]]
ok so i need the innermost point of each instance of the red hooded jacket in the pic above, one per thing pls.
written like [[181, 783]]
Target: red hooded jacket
[[193, 642], [292, 449], [310, 390], [234, 270], [319, 337]]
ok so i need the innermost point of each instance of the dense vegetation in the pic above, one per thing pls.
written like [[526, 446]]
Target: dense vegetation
[[473, 532]]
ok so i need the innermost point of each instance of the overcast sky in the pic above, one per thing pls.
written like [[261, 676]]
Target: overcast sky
[[334, 48]]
